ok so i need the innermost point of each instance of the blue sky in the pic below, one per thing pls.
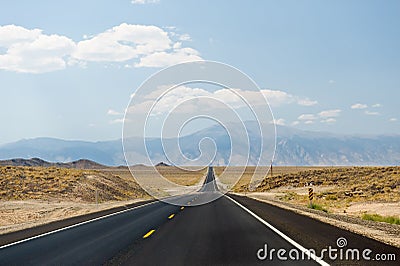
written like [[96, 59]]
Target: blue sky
[[68, 68]]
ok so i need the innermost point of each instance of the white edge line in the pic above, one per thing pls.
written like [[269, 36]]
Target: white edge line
[[288, 239], [74, 225]]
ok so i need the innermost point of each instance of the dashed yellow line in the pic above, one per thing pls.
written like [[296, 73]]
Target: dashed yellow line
[[149, 233], [171, 216]]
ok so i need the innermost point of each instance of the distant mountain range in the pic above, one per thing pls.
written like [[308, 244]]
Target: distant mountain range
[[79, 164], [294, 147]]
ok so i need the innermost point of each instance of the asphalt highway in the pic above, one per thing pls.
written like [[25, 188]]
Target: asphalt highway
[[232, 230]]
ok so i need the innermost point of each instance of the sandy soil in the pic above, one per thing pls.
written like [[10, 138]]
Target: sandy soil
[[387, 233], [17, 214], [384, 209], [31, 196]]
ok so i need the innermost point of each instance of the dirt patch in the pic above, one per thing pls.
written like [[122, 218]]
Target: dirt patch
[[31, 196], [384, 209], [18, 215], [386, 233]]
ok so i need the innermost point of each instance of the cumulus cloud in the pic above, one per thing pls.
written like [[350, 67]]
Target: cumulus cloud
[[113, 112], [117, 121], [278, 98], [11, 34], [143, 2], [122, 43], [377, 105], [162, 59], [30, 50], [328, 120], [306, 102], [393, 119], [359, 106], [306, 117], [279, 122], [371, 113], [327, 116], [186, 97], [185, 37], [329, 113]]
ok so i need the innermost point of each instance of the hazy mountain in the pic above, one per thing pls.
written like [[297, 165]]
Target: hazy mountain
[[79, 164], [294, 147], [57, 150]]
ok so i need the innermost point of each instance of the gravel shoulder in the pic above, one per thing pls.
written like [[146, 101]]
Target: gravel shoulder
[[383, 232]]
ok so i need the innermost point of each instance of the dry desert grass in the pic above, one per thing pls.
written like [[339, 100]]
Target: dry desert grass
[[30, 196], [243, 184], [177, 175], [353, 190], [21, 183]]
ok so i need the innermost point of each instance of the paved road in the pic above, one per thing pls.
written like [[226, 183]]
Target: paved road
[[221, 232]]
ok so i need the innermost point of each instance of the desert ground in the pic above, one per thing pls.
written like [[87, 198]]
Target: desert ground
[[365, 200], [30, 196], [352, 190]]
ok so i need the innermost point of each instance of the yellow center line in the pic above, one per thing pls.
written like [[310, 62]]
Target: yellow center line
[[182, 208], [171, 216], [149, 233]]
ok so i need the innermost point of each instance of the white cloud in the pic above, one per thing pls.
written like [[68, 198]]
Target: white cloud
[[142, 2], [371, 113], [122, 43], [328, 120], [164, 58], [11, 34], [113, 112], [377, 105], [329, 113], [228, 97], [279, 122], [359, 106], [31, 51], [327, 116], [393, 119], [306, 102], [185, 37], [278, 98], [295, 123], [117, 121], [307, 117]]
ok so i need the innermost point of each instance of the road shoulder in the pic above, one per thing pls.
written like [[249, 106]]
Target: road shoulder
[[383, 232]]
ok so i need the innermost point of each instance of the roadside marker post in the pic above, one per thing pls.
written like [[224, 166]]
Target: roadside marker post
[[310, 195], [271, 169], [97, 197]]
